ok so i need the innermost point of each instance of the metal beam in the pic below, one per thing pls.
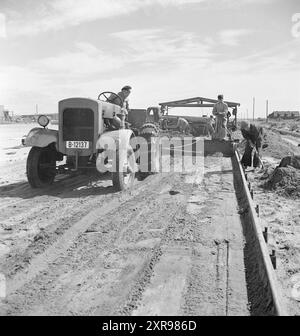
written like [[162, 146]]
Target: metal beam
[[197, 105], [191, 105], [196, 100]]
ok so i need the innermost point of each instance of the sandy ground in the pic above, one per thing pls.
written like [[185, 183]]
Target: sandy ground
[[173, 245], [281, 215]]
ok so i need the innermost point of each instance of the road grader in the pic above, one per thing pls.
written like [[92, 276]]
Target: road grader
[[86, 130]]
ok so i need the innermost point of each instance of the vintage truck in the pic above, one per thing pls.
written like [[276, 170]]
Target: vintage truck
[[83, 135]]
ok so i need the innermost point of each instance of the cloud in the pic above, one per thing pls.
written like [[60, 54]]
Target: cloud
[[166, 47], [86, 60], [231, 37], [2, 26], [143, 49], [60, 14]]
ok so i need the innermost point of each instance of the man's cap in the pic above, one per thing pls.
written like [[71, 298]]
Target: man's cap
[[244, 124], [220, 96], [126, 87]]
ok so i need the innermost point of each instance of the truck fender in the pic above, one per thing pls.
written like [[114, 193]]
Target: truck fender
[[120, 137], [41, 137]]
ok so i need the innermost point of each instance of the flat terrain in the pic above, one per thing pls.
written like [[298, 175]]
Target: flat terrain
[[173, 245]]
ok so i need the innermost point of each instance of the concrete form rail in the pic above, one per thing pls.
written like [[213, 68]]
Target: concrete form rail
[[264, 292]]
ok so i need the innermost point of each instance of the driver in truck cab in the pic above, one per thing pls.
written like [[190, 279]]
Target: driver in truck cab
[[124, 93]]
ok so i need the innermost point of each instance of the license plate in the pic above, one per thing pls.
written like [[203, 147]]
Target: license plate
[[77, 144]]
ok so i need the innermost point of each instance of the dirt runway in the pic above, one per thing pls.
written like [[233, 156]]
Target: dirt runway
[[173, 245]]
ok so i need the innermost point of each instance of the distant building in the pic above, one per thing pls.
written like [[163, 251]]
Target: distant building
[[284, 114]]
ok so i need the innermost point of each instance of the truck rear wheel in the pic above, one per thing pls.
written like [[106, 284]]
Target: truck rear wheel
[[41, 167], [123, 177]]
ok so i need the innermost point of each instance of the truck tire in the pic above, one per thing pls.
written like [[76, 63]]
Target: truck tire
[[124, 180], [41, 167]]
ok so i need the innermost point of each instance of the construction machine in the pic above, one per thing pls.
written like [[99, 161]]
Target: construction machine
[[85, 139]]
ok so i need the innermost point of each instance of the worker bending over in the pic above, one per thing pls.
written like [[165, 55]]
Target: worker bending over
[[183, 125], [253, 136]]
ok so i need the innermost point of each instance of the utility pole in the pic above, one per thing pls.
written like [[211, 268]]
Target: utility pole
[[267, 109], [253, 107], [36, 109], [247, 114]]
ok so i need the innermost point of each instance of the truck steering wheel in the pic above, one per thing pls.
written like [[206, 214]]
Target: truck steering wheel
[[107, 94]]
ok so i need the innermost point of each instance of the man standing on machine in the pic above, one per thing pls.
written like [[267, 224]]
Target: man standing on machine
[[220, 111]]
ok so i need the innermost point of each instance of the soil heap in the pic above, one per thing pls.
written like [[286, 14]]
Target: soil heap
[[285, 178]]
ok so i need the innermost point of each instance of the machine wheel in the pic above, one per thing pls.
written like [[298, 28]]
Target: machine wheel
[[150, 132], [124, 176], [41, 167]]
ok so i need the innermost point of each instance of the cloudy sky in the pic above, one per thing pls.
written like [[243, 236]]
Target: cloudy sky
[[164, 49]]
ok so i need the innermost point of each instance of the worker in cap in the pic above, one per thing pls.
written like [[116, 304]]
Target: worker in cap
[[220, 111], [123, 94]]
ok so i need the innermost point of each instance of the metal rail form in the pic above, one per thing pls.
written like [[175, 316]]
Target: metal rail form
[[262, 266]]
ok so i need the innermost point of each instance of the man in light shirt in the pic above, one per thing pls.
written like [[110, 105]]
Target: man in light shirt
[[220, 111]]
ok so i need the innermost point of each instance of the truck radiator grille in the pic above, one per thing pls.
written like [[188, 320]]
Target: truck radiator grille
[[78, 124]]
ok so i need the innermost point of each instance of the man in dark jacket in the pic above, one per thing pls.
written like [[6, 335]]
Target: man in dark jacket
[[253, 136]]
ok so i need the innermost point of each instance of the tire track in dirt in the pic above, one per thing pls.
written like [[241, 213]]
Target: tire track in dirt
[[146, 273], [175, 222], [43, 219], [106, 261], [59, 247], [132, 222]]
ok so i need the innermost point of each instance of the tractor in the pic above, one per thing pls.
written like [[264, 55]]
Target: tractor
[[86, 132]]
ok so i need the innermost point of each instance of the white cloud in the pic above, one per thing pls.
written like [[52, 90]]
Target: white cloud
[[86, 60], [231, 37], [177, 48], [148, 48], [2, 26], [59, 14]]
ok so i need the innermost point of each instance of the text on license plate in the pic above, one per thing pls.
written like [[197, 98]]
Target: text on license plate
[[77, 144]]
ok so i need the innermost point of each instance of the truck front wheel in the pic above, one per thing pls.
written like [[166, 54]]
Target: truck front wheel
[[41, 167], [123, 177]]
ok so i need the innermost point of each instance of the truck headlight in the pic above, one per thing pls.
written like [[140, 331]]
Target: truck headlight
[[43, 120]]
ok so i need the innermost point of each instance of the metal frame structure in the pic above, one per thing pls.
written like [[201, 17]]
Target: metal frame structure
[[198, 102]]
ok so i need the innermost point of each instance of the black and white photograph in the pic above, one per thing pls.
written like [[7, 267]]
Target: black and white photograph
[[149, 161]]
